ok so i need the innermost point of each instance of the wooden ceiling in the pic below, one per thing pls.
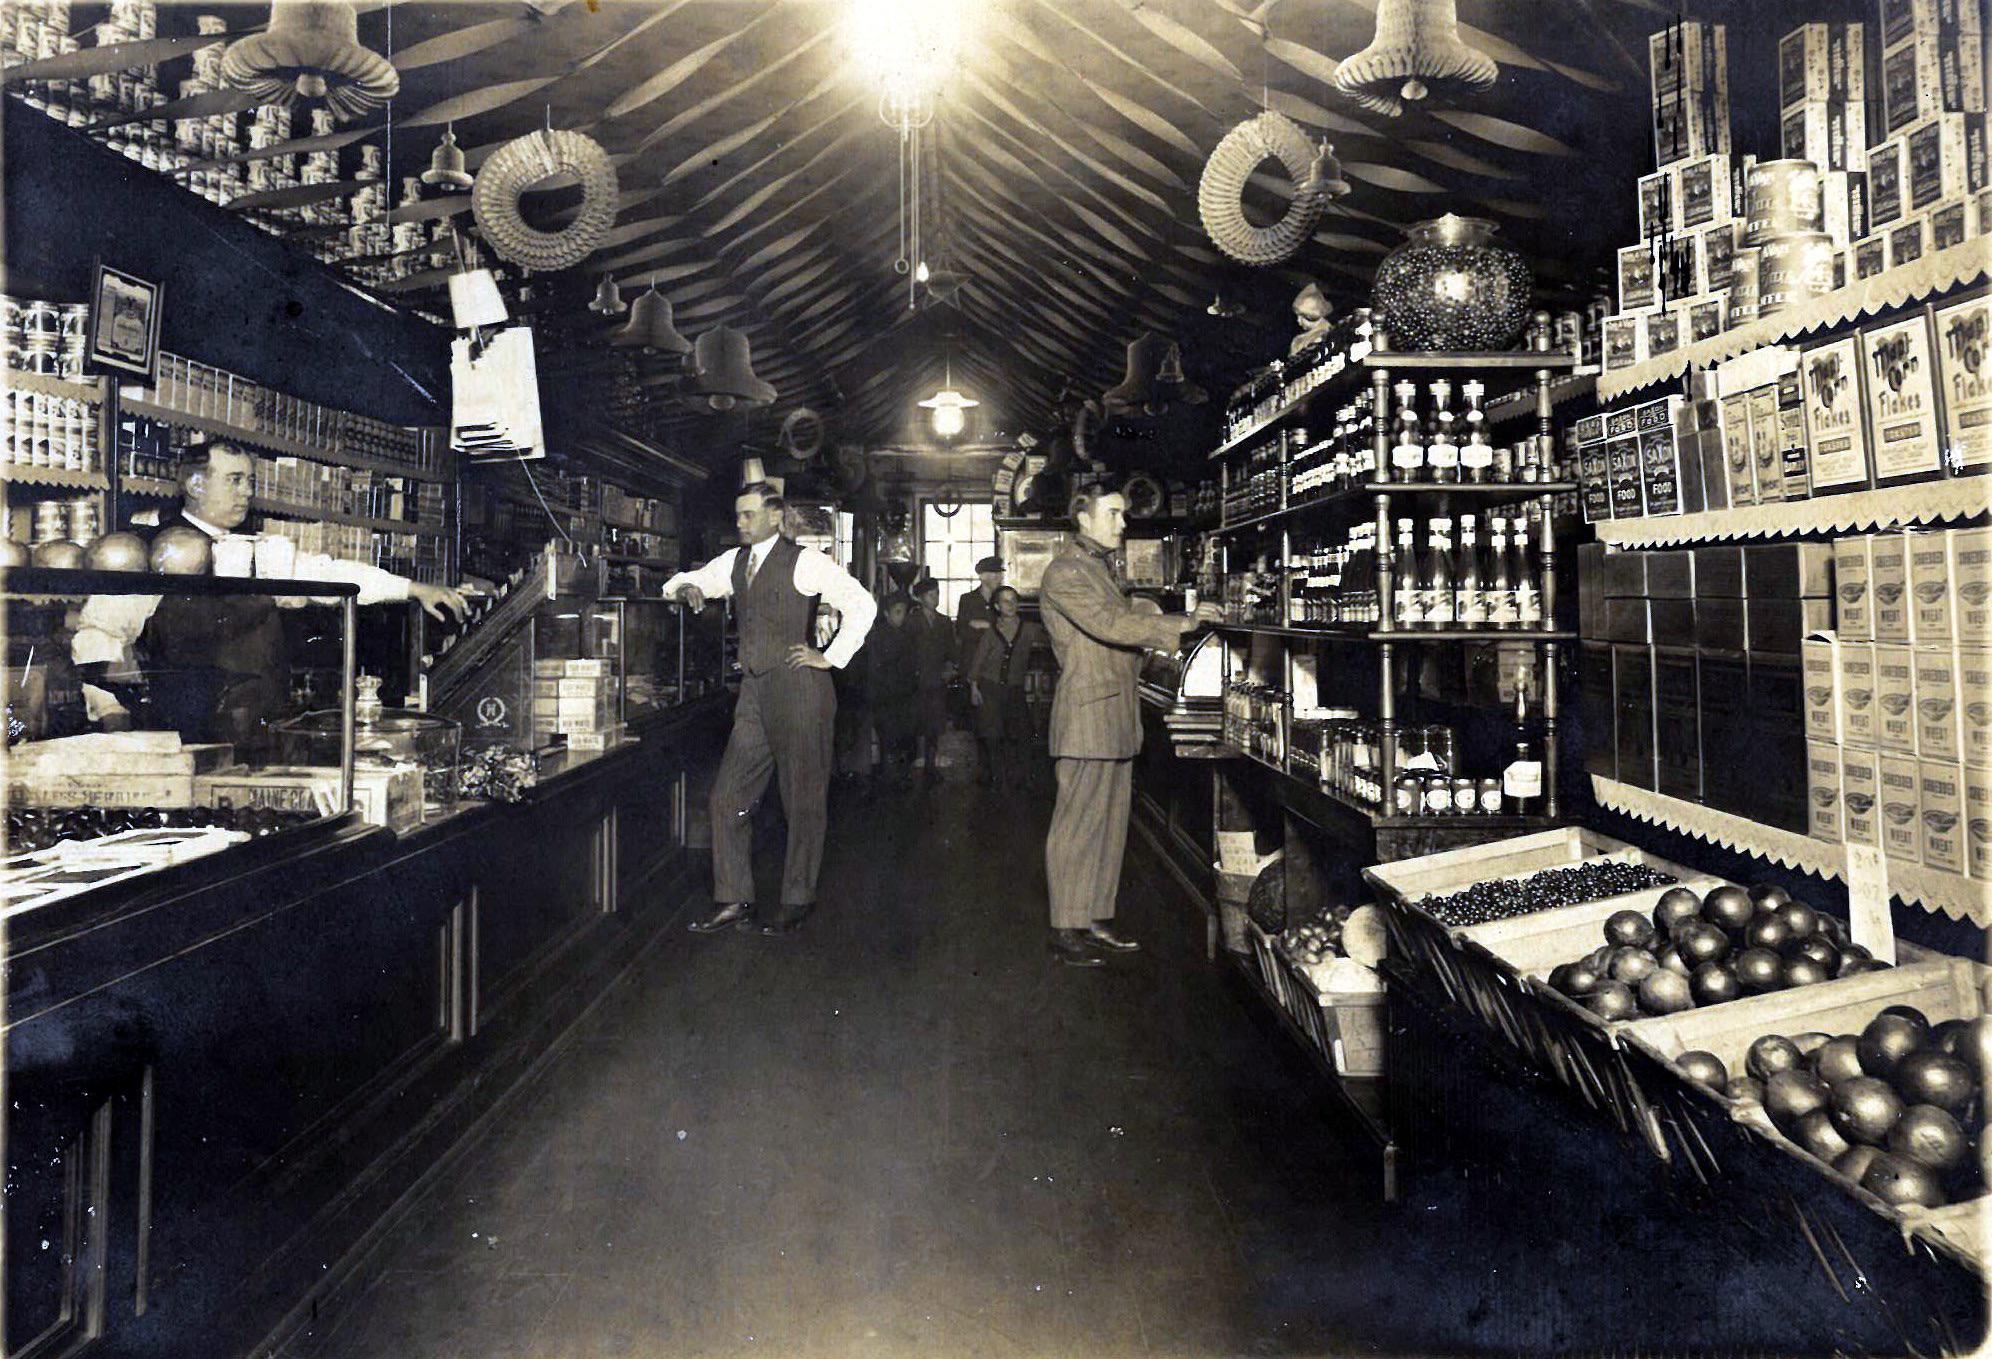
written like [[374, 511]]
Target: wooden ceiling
[[761, 188]]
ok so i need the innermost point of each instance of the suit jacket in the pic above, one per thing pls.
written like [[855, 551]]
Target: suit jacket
[[972, 615], [1098, 636]]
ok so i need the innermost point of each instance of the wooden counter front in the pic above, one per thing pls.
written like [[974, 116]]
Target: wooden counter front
[[219, 1086]]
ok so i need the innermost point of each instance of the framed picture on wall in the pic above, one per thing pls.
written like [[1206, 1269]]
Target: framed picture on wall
[[124, 323], [1026, 553]]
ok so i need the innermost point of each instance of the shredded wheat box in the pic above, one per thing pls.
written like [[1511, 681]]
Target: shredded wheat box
[[1819, 662], [1901, 818], [1939, 721], [1942, 815], [1971, 548], [1888, 557], [1974, 701], [1895, 698], [1860, 796], [1857, 693], [1825, 818], [1978, 822]]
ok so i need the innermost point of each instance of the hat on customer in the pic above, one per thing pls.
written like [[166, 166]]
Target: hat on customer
[[989, 564]]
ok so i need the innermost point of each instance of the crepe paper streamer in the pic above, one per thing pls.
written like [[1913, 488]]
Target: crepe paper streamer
[[1220, 194], [1501, 132], [524, 163]]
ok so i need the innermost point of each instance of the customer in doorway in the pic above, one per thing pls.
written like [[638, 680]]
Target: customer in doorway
[[784, 722], [1098, 634], [893, 685], [996, 688], [973, 612], [934, 665]]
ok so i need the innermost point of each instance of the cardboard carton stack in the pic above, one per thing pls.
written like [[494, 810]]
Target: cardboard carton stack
[[577, 699]]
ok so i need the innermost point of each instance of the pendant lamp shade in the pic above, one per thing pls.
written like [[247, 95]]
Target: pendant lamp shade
[[721, 367], [1154, 378], [651, 325], [609, 299], [1416, 53], [311, 49], [446, 165]]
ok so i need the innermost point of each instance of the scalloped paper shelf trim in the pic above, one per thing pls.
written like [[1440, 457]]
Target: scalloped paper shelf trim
[[1912, 282], [1926, 502], [1934, 890]]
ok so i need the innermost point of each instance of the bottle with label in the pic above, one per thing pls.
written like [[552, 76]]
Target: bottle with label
[[1408, 607], [1499, 587], [1442, 455], [1521, 781], [1407, 454], [1470, 600], [1437, 590], [1528, 591], [1476, 456]]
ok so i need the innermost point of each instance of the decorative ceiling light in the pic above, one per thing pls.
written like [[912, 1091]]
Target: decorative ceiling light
[[949, 407], [909, 49], [651, 325], [1154, 378], [721, 367], [519, 165], [446, 165], [1415, 54], [609, 299], [311, 50], [1317, 178]]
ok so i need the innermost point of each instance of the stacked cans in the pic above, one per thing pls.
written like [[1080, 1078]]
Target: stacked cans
[[1784, 228], [38, 429]]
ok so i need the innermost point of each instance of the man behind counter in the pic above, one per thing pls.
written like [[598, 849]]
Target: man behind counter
[[217, 669]]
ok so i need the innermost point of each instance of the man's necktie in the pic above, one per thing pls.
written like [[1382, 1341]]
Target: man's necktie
[[753, 565]]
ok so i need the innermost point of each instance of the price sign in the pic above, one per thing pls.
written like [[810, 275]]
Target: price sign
[[1867, 901]]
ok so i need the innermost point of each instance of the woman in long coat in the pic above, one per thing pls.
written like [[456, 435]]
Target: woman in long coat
[[996, 687]]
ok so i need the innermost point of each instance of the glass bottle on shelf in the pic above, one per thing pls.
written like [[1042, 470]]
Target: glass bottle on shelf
[[1407, 603], [1521, 781], [1500, 589], [1476, 457], [1407, 454], [1528, 588], [1470, 600], [1437, 585], [1503, 471], [1442, 448]]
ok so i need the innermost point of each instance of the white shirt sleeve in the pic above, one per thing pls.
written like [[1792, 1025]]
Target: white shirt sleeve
[[816, 574], [106, 627], [714, 580], [376, 586]]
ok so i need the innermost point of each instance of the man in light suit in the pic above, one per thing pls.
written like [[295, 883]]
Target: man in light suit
[[1099, 635]]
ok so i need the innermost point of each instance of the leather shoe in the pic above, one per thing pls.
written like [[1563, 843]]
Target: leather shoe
[[727, 915], [1104, 937], [1072, 948], [786, 924]]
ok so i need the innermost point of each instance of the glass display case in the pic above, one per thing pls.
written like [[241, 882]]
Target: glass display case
[[556, 660], [143, 723]]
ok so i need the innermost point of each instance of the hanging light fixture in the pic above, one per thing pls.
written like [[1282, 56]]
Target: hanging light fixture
[[949, 406], [651, 325], [721, 368], [446, 168], [609, 299], [311, 50], [1415, 54]]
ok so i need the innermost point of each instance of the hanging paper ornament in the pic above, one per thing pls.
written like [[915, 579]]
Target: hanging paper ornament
[[1415, 54], [518, 165], [311, 50], [1317, 177], [802, 433]]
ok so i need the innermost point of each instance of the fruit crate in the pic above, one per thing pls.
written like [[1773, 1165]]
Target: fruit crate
[[1348, 1029], [1275, 973], [1941, 987]]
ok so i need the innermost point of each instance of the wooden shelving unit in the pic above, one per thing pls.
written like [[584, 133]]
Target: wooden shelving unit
[[284, 509], [1927, 502], [62, 477], [276, 443]]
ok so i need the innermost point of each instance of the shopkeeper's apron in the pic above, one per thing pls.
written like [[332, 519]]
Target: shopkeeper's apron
[[217, 669]]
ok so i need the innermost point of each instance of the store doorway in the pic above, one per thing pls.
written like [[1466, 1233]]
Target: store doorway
[[952, 543]]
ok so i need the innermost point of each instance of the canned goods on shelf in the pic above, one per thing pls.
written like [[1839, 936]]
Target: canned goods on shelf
[[1781, 197], [1793, 268]]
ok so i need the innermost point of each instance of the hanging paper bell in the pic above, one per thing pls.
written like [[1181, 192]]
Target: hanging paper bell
[[650, 324], [1415, 54], [446, 165], [609, 299], [1154, 377], [721, 366], [311, 49]]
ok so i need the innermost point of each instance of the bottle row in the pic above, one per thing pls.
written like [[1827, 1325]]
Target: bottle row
[[1284, 381], [1439, 583]]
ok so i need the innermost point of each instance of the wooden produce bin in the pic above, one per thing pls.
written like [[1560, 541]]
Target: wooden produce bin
[[1941, 987]]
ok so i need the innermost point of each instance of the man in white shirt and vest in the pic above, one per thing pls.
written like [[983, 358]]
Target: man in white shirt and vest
[[784, 723]]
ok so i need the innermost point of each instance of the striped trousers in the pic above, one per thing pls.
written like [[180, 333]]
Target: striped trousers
[[1088, 836]]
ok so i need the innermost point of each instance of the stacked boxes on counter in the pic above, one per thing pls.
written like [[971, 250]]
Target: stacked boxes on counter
[[577, 699], [1698, 651], [1898, 700], [1883, 158]]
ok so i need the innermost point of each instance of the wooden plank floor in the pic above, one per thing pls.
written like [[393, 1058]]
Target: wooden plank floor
[[907, 1132]]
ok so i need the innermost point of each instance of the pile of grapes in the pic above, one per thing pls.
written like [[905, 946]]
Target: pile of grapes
[[1897, 1108], [36, 828], [1506, 898]]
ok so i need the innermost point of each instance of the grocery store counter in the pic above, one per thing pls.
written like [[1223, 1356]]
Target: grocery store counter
[[223, 1079]]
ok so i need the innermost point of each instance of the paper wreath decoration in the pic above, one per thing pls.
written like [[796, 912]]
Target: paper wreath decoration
[[802, 433], [1221, 193], [311, 49], [516, 167]]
